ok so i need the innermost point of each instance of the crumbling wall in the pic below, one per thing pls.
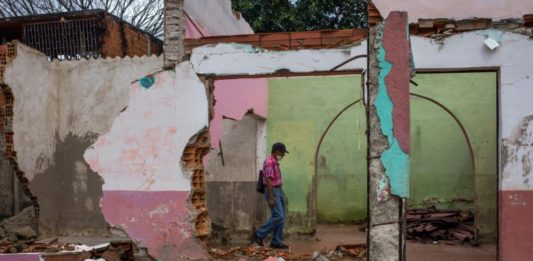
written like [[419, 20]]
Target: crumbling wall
[[514, 59], [213, 59], [21, 208], [388, 135], [7, 189], [233, 99], [147, 188], [457, 9], [60, 108], [230, 179]]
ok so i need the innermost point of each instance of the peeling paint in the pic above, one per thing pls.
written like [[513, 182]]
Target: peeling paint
[[54, 102], [456, 9], [518, 156], [214, 59], [395, 159], [147, 190]]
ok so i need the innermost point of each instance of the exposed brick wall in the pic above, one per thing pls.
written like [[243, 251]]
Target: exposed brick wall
[[121, 40], [194, 152], [3, 61], [8, 53]]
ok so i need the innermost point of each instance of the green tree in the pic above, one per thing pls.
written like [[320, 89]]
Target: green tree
[[331, 14], [302, 15], [267, 15]]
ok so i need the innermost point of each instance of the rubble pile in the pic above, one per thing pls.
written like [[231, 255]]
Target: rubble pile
[[113, 251], [344, 252], [431, 225], [19, 228]]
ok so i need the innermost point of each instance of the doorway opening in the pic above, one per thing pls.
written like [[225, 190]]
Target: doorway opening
[[453, 167]]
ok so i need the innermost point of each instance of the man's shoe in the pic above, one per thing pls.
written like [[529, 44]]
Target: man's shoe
[[257, 240], [281, 246]]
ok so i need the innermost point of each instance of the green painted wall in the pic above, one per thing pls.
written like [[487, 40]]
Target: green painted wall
[[342, 186], [441, 169], [300, 108]]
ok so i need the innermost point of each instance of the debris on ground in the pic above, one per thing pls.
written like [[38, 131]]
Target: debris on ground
[[352, 250], [255, 251], [21, 227], [116, 250], [341, 252], [432, 225]]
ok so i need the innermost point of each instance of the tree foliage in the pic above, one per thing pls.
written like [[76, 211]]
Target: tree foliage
[[302, 15], [145, 14]]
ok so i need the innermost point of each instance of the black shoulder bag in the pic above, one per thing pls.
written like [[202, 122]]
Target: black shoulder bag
[[260, 187]]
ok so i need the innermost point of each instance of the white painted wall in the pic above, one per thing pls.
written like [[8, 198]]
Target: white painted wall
[[54, 99], [35, 116], [142, 151], [467, 50], [514, 57], [456, 9], [247, 60]]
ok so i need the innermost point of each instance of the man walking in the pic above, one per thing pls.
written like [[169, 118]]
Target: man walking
[[274, 197]]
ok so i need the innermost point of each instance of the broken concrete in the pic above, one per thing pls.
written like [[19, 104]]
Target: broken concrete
[[22, 226], [213, 59], [230, 180], [50, 141], [24, 232], [25, 218], [388, 114]]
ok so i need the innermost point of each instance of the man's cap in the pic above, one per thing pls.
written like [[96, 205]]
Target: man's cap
[[279, 146]]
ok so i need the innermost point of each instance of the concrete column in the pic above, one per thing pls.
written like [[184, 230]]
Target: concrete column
[[389, 66], [174, 23]]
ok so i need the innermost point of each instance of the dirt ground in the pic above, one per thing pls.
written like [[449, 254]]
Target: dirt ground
[[328, 237]]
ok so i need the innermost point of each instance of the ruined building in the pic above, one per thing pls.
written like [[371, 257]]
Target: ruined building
[[163, 163]]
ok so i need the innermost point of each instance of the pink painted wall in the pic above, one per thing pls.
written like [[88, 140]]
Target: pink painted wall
[[516, 236], [158, 219], [194, 30], [234, 98], [146, 191], [456, 9]]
